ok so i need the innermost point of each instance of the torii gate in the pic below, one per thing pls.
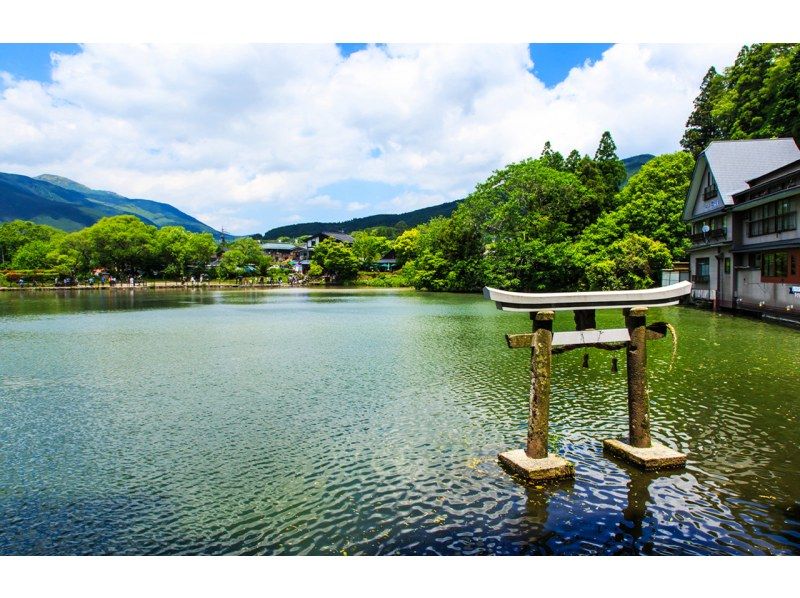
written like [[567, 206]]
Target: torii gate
[[534, 462]]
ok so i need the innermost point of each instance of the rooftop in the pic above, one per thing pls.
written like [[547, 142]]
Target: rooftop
[[734, 163]]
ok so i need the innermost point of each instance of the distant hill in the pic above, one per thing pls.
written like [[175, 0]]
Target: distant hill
[[65, 204], [634, 163], [411, 219], [632, 166]]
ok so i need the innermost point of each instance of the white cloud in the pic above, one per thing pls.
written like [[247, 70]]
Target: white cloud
[[251, 133]]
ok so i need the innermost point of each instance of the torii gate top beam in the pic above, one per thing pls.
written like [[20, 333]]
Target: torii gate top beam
[[532, 302]]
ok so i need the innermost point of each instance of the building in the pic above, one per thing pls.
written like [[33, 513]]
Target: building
[[281, 251], [387, 263], [742, 208]]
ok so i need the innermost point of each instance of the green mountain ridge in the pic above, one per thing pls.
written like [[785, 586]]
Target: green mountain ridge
[[70, 206], [411, 219]]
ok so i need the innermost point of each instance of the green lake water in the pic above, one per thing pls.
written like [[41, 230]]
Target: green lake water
[[368, 422]]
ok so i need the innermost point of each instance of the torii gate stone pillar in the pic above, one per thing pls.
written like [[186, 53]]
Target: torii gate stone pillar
[[535, 463]]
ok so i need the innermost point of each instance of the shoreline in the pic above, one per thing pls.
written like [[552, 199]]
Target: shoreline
[[176, 286]]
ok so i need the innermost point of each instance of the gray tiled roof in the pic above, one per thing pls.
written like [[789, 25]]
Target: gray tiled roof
[[733, 163], [344, 238], [278, 246]]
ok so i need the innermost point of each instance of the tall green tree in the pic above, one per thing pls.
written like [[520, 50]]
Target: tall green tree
[[702, 128], [756, 97], [786, 106]]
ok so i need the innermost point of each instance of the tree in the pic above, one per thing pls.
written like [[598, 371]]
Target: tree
[[650, 216], [405, 246], [32, 256], [786, 106], [702, 128], [179, 250], [369, 248], [550, 158], [572, 162], [124, 244], [336, 260], [16, 233], [610, 169], [633, 262], [756, 97], [243, 254]]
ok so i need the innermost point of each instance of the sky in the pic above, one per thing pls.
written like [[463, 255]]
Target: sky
[[253, 136]]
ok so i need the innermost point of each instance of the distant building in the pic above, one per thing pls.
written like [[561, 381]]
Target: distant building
[[742, 207], [281, 251], [388, 262]]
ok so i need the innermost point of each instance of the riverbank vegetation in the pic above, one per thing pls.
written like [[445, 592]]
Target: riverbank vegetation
[[120, 247]]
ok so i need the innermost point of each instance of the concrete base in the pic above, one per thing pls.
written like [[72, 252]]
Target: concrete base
[[657, 456], [551, 467]]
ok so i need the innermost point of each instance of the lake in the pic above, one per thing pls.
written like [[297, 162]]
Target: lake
[[293, 422]]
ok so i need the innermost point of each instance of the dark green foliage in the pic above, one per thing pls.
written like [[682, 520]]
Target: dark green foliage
[[532, 227], [122, 245], [651, 205], [702, 128], [756, 97]]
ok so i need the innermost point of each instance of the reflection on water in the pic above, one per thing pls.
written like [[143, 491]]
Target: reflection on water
[[368, 422]]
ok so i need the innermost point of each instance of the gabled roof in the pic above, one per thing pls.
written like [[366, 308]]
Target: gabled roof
[[734, 163], [344, 238]]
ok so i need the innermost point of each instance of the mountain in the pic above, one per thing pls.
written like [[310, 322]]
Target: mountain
[[632, 166], [65, 204], [634, 163], [411, 219]]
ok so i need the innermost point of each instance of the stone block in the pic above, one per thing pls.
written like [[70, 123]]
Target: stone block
[[656, 456], [551, 467]]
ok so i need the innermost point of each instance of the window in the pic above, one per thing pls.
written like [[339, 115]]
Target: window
[[701, 269], [754, 260], [727, 265], [774, 265], [772, 218]]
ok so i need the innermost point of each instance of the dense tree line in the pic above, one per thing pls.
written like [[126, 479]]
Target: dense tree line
[[756, 97], [123, 246]]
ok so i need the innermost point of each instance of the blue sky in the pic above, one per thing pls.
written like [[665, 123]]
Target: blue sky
[[254, 137], [32, 61]]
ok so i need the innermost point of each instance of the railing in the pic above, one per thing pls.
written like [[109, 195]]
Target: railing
[[712, 235], [700, 278]]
